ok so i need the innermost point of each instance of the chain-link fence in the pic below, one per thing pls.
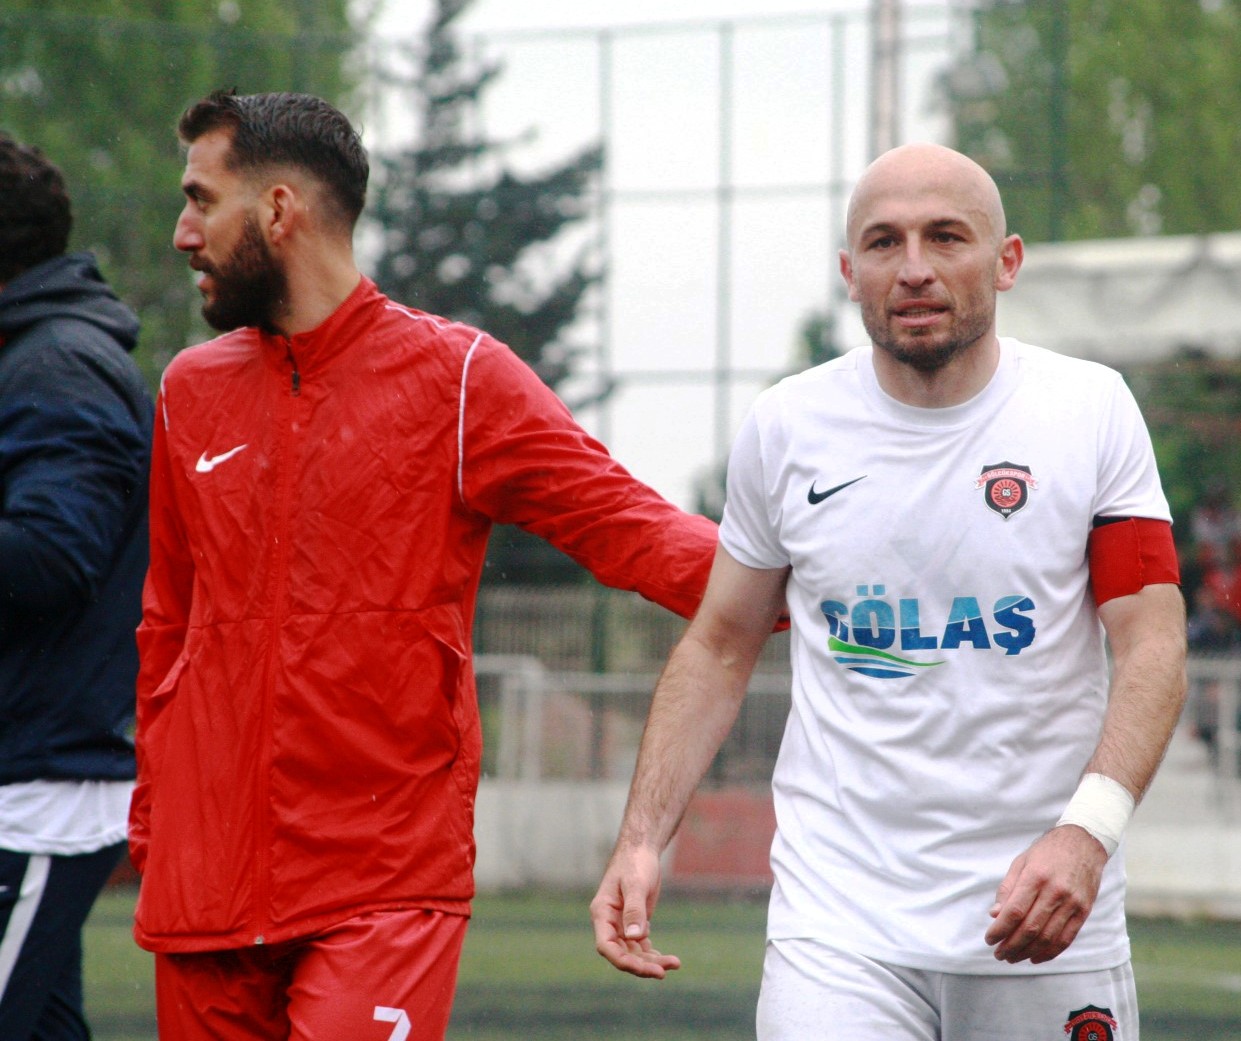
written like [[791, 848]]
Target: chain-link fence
[[730, 148]]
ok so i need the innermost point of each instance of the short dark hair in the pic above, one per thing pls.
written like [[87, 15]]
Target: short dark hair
[[284, 129], [35, 213]]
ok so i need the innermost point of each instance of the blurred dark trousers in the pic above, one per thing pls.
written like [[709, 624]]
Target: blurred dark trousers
[[44, 901]]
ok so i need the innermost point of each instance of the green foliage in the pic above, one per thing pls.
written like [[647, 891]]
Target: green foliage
[[99, 85], [1192, 405], [1110, 118], [817, 342], [466, 237], [1105, 118], [817, 339]]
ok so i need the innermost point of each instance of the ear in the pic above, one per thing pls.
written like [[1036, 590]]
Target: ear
[[283, 211], [1012, 253], [846, 272]]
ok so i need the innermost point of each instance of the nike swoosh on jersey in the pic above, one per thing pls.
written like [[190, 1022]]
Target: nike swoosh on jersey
[[207, 463], [814, 498]]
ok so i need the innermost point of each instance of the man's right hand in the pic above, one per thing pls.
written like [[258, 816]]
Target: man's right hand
[[621, 913]]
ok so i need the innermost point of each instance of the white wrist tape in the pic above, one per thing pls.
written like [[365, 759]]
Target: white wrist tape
[[1103, 807]]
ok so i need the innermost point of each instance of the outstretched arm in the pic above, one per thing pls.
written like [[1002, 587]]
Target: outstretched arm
[[1050, 889], [696, 701], [526, 461]]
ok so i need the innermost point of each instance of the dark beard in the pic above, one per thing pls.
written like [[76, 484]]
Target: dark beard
[[930, 358], [251, 289]]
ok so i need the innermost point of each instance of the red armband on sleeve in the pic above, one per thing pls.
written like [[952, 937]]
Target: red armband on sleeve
[[1127, 553]]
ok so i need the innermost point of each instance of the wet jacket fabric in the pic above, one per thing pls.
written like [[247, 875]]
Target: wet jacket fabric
[[75, 430], [308, 732]]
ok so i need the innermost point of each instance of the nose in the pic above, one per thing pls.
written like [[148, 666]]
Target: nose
[[187, 236], [916, 269]]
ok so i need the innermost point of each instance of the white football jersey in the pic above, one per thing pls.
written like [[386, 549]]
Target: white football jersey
[[949, 675]]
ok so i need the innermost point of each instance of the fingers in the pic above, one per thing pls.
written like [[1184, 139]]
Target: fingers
[[1046, 897], [638, 958], [637, 926], [620, 915], [1061, 930], [1037, 933], [635, 956], [1007, 884]]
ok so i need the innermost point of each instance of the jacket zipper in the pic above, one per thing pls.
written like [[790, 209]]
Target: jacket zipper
[[296, 379], [286, 463]]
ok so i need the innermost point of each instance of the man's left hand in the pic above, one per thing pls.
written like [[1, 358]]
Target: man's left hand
[[1046, 896]]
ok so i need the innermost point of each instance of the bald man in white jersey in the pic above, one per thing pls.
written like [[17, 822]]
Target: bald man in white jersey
[[957, 521]]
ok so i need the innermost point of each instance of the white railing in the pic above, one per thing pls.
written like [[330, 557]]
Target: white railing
[[560, 749], [543, 724], [525, 694]]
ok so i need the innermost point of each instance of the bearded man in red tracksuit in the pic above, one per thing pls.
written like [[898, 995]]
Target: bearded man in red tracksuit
[[324, 479]]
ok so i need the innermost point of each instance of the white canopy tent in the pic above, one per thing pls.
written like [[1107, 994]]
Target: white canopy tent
[[1129, 301]]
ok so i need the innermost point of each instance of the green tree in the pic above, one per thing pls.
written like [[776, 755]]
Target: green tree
[[1104, 118], [99, 84], [816, 344], [1192, 405], [463, 235], [817, 339], [1109, 118]]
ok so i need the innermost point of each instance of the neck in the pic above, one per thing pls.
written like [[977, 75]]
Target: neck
[[317, 287], [954, 383]]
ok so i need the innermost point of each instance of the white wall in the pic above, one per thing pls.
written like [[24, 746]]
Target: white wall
[[1183, 848]]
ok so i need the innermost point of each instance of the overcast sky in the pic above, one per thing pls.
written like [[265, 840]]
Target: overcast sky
[[491, 15], [799, 122]]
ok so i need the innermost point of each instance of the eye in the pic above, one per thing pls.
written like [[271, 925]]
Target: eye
[[196, 198]]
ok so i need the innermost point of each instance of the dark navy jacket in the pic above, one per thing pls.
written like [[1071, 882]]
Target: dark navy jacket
[[75, 434]]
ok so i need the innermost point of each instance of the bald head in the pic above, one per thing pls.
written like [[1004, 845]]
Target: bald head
[[927, 253], [920, 171]]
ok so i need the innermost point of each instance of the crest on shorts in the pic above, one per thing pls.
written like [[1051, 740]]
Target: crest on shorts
[[1006, 487], [1091, 1024]]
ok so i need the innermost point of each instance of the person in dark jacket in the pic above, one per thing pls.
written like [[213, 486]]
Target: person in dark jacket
[[75, 430]]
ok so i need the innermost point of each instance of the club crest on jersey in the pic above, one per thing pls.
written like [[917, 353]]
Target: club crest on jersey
[[1006, 487], [1091, 1024]]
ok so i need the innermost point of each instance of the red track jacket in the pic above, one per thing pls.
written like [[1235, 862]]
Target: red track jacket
[[308, 734]]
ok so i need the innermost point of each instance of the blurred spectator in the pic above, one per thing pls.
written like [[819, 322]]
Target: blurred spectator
[[1222, 578], [1213, 629], [1215, 526], [1214, 553], [75, 429]]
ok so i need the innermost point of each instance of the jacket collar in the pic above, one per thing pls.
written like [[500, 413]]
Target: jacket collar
[[311, 351]]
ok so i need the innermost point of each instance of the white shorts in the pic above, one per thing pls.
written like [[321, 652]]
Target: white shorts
[[812, 992]]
